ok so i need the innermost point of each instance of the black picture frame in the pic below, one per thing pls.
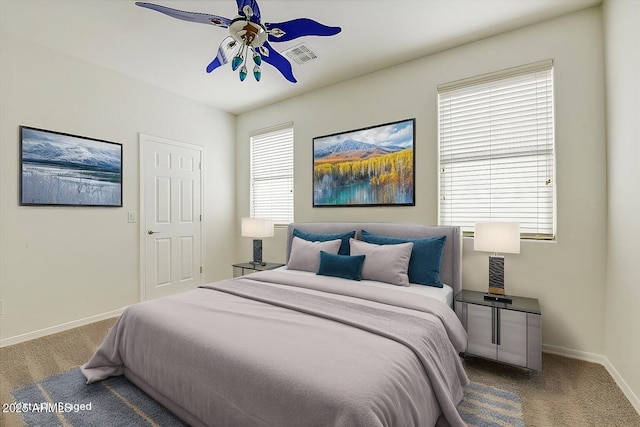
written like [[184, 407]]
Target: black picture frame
[[371, 166], [60, 169]]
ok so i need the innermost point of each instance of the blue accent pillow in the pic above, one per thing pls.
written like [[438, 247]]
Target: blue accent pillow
[[424, 265], [318, 237], [345, 266]]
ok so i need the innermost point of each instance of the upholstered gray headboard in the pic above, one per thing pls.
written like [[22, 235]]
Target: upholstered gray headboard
[[450, 266]]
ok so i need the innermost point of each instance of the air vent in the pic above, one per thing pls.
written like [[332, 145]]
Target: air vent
[[301, 54]]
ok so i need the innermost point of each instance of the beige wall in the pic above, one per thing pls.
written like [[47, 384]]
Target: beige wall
[[621, 19], [567, 275], [65, 264]]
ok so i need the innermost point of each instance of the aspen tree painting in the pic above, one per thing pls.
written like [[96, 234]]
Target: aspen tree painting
[[373, 166]]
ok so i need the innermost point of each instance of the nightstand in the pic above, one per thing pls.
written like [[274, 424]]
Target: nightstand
[[246, 267], [505, 332]]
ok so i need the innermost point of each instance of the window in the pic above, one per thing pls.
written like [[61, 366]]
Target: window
[[496, 139], [272, 174]]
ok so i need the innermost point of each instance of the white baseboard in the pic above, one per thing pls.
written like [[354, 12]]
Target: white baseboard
[[635, 400], [602, 360], [574, 354], [59, 328]]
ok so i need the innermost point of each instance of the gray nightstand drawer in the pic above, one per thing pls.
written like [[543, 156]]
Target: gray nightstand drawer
[[507, 333]]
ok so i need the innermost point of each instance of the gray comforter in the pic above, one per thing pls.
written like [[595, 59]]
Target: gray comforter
[[279, 349]]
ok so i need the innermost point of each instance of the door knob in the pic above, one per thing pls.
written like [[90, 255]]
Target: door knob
[[150, 232]]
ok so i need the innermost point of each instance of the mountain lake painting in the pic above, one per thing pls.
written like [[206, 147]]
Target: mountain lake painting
[[68, 170], [366, 167]]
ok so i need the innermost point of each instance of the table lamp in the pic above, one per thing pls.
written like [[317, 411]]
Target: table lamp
[[257, 228], [497, 237]]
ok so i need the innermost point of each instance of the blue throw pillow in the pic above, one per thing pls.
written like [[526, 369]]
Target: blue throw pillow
[[345, 266], [424, 265], [318, 237]]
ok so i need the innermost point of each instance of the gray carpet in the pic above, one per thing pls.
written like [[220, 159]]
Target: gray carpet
[[65, 399], [568, 392]]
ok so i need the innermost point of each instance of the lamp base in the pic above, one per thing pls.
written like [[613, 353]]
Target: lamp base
[[498, 298], [257, 252], [496, 274]]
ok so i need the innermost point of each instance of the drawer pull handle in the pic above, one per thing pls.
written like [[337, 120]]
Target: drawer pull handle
[[493, 325]]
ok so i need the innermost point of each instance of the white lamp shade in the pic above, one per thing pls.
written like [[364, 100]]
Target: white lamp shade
[[257, 227], [497, 237]]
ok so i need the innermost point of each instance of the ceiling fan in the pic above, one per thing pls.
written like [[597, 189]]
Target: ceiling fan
[[248, 35]]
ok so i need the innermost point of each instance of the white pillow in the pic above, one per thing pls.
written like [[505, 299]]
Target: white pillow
[[384, 263], [305, 255]]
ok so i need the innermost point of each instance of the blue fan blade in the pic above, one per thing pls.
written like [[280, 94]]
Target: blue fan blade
[[202, 18], [299, 28], [280, 62], [224, 52], [254, 6], [213, 65]]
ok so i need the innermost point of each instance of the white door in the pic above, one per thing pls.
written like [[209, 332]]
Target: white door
[[171, 216]]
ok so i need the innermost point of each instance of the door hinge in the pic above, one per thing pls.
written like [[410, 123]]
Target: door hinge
[[200, 269], [200, 165], [200, 217]]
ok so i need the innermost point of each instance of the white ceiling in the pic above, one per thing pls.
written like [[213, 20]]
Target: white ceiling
[[173, 54]]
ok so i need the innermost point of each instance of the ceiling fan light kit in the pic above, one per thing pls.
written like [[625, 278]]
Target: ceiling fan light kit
[[247, 32], [249, 35]]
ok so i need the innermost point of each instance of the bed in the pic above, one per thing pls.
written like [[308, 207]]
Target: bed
[[291, 347]]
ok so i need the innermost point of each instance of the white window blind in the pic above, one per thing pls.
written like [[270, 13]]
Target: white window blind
[[496, 138], [272, 174]]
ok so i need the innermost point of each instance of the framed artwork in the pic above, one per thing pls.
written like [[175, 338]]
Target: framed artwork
[[58, 169], [373, 166]]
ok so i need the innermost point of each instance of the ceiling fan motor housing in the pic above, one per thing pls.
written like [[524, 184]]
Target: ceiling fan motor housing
[[247, 32]]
